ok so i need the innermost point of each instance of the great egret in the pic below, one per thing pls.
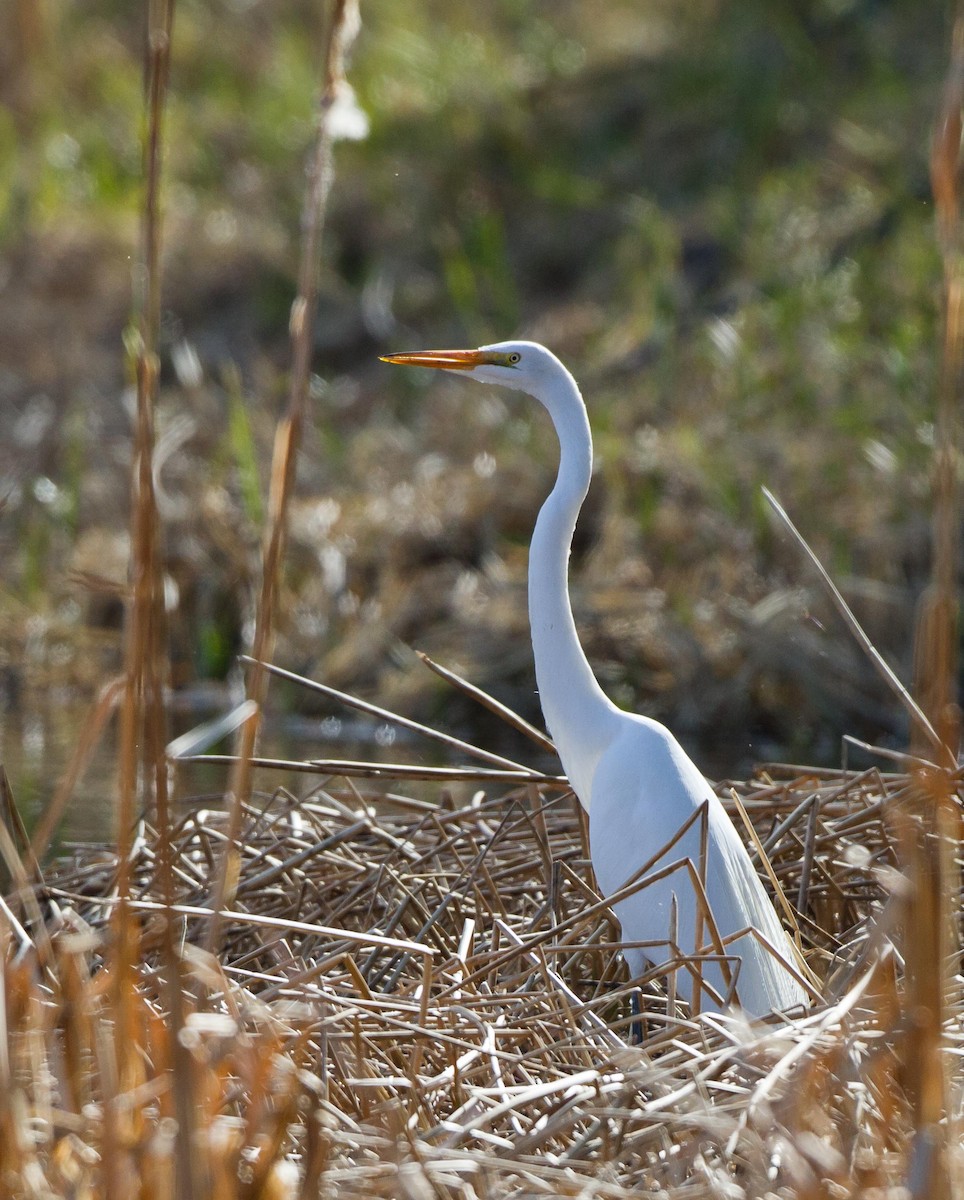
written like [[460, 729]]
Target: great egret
[[629, 772]]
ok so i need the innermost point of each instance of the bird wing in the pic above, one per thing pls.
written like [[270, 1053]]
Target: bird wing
[[644, 791]]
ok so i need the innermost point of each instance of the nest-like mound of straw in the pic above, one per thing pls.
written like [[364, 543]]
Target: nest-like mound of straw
[[427, 1000]]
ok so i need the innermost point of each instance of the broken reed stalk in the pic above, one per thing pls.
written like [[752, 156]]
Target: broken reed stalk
[[480, 697], [393, 718], [932, 830], [916, 713], [343, 28]]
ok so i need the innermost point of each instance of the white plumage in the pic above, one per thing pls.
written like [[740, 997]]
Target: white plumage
[[629, 772]]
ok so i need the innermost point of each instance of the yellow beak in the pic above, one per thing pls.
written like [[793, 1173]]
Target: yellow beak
[[446, 360]]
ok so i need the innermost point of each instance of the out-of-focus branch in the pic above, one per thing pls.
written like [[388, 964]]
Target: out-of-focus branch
[[143, 725], [930, 831], [343, 28]]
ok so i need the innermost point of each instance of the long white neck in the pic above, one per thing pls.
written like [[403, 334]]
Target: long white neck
[[580, 717]]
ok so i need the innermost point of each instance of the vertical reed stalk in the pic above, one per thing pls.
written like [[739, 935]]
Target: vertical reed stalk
[[929, 839], [143, 734], [342, 30]]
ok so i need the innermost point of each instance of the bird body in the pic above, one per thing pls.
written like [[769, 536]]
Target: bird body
[[629, 824], [632, 776]]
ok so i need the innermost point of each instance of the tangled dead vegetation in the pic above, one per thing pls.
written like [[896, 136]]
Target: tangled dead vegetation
[[412, 999]]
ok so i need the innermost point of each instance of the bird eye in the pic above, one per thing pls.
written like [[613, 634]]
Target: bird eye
[[513, 358]]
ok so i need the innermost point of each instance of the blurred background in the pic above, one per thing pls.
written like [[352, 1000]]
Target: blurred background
[[716, 212]]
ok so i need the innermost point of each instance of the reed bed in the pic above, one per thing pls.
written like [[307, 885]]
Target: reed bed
[[357, 992], [416, 998]]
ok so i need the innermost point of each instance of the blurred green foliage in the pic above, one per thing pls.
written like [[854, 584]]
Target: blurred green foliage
[[716, 211]]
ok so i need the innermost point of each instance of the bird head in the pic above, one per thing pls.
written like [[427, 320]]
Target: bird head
[[519, 365]]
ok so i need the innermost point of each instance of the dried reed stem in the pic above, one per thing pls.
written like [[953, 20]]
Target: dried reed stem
[[143, 722], [916, 713], [420, 985], [931, 832], [342, 30], [384, 714]]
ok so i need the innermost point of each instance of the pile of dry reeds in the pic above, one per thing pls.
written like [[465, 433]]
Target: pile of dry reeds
[[357, 993], [421, 999]]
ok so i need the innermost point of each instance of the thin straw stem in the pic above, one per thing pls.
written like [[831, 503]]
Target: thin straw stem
[[343, 28]]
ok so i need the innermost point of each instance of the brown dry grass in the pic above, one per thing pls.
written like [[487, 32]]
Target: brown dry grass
[[417, 999]]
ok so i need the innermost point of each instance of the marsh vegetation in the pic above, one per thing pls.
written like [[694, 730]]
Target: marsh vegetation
[[399, 980]]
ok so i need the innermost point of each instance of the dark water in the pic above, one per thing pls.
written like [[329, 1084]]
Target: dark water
[[37, 745], [37, 748]]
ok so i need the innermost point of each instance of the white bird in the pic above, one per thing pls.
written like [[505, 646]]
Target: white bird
[[636, 782]]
